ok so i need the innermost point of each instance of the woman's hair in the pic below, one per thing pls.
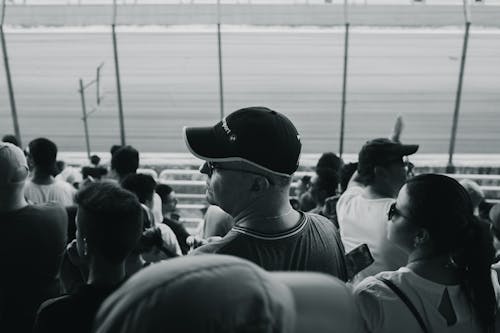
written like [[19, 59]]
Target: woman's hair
[[443, 207]]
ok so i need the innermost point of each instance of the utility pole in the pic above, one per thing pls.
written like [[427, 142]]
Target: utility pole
[[12, 100], [450, 168], [221, 82], [344, 81], [117, 73]]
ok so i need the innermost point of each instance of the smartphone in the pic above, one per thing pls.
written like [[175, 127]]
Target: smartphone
[[357, 260]]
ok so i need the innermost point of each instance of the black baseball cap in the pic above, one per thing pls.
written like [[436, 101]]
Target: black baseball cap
[[382, 151], [256, 135]]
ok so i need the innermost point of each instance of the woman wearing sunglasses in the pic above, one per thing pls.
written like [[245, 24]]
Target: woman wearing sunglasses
[[447, 285]]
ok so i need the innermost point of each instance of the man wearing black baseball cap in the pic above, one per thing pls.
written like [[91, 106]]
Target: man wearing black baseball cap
[[362, 209], [250, 157]]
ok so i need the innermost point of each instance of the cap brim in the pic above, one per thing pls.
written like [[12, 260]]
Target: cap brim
[[202, 142], [408, 149], [321, 302]]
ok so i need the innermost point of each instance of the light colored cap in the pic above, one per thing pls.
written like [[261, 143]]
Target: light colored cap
[[219, 293], [13, 165]]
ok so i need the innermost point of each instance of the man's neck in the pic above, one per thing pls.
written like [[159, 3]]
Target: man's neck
[[105, 274], [268, 218], [377, 192], [42, 178], [12, 201]]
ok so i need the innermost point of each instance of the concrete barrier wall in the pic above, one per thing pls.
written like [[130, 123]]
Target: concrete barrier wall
[[250, 14]]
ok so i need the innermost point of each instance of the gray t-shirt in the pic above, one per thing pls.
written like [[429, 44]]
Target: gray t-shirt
[[312, 245]]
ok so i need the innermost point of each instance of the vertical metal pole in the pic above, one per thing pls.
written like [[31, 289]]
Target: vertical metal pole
[[85, 125], [12, 100], [344, 81], [221, 82], [117, 72], [450, 167]]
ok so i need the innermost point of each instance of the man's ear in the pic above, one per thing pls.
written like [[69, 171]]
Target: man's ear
[[421, 237], [259, 184]]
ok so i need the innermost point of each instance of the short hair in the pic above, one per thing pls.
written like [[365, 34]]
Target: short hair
[[115, 219], [346, 174], [43, 153], [163, 191], [11, 139], [328, 181], [330, 160], [114, 148], [143, 186], [94, 160], [125, 161], [476, 194]]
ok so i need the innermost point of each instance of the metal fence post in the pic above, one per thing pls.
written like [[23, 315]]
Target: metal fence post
[[219, 48], [85, 125], [344, 81], [118, 83], [450, 168], [12, 100]]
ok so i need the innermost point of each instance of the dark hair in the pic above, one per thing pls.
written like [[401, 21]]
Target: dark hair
[[125, 160], [305, 179], [43, 153], [163, 191], [115, 219], [114, 148], [346, 174], [330, 160], [143, 186], [60, 166], [11, 139], [94, 160], [443, 207], [326, 184]]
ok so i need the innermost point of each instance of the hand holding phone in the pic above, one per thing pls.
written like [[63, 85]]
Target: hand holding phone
[[357, 260]]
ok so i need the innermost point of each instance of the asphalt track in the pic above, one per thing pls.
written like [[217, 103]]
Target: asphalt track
[[170, 80]]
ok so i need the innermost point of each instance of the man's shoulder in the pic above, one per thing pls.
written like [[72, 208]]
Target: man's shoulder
[[56, 308], [317, 219]]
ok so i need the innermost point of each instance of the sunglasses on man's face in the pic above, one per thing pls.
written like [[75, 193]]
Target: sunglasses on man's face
[[394, 212], [209, 167]]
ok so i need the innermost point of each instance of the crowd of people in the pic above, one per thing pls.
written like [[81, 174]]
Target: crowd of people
[[359, 247]]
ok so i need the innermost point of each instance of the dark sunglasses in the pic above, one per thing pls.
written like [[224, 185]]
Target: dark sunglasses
[[209, 168], [394, 211]]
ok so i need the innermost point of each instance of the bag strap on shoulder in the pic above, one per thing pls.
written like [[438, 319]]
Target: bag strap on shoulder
[[407, 301]]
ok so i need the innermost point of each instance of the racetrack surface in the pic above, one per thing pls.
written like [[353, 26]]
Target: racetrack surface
[[170, 80]]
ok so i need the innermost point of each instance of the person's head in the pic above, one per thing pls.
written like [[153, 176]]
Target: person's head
[[114, 149], [95, 160], [125, 161], [109, 222], [346, 174], [14, 168], [11, 139], [323, 185], [331, 161], [43, 155], [168, 198], [475, 192], [60, 166], [143, 186], [250, 156], [381, 165], [303, 185], [433, 218]]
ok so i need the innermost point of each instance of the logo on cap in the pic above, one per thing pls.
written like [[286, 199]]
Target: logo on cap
[[232, 136]]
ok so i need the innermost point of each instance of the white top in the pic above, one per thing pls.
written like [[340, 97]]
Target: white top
[[156, 210], [384, 311], [59, 191], [363, 220]]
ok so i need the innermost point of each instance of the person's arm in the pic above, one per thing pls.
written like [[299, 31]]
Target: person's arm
[[354, 181], [397, 130]]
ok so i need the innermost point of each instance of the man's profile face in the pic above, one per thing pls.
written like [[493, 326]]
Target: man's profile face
[[228, 184]]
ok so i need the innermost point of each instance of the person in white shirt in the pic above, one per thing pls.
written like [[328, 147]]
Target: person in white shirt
[[42, 187], [448, 278], [362, 208]]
